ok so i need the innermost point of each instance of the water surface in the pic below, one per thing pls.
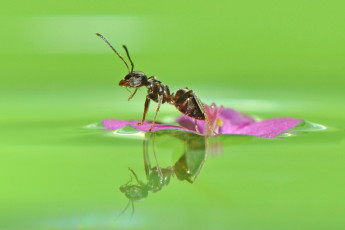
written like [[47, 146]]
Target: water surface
[[59, 173]]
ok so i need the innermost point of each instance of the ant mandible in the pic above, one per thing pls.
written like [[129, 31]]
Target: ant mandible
[[184, 100]]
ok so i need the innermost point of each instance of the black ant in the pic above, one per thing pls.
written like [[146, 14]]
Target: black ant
[[184, 100]]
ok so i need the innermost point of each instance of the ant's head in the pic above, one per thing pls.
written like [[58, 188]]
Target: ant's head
[[134, 80], [134, 192]]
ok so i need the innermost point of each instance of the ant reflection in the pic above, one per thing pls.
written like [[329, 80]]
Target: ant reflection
[[186, 168]]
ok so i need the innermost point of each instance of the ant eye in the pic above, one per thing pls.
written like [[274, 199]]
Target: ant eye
[[135, 80]]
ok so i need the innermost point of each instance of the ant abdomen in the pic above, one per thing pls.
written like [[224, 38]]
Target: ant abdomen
[[187, 104]]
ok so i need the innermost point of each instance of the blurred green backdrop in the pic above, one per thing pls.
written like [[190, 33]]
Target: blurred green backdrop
[[265, 58]]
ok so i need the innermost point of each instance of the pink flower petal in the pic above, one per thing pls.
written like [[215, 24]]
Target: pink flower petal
[[213, 112], [267, 128], [236, 118], [188, 123], [233, 121]]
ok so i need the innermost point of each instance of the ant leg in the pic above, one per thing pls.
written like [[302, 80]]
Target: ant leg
[[130, 180], [135, 176], [203, 160], [154, 153], [196, 125], [159, 105], [132, 94], [146, 156], [147, 103], [201, 106]]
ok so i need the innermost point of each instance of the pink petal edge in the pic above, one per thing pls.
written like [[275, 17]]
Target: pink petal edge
[[112, 124], [269, 128]]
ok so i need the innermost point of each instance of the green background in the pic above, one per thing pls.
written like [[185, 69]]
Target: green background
[[264, 58]]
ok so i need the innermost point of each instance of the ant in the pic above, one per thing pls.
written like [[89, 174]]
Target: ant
[[184, 100]]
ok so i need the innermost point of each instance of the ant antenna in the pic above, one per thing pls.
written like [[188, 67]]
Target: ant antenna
[[99, 35], [124, 210], [128, 57], [132, 214]]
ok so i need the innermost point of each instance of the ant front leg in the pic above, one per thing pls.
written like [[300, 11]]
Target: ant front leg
[[147, 104], [132, 94], [136, 178], [159, 105]]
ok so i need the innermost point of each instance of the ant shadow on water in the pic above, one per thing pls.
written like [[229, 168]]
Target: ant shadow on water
[[189, 161]]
